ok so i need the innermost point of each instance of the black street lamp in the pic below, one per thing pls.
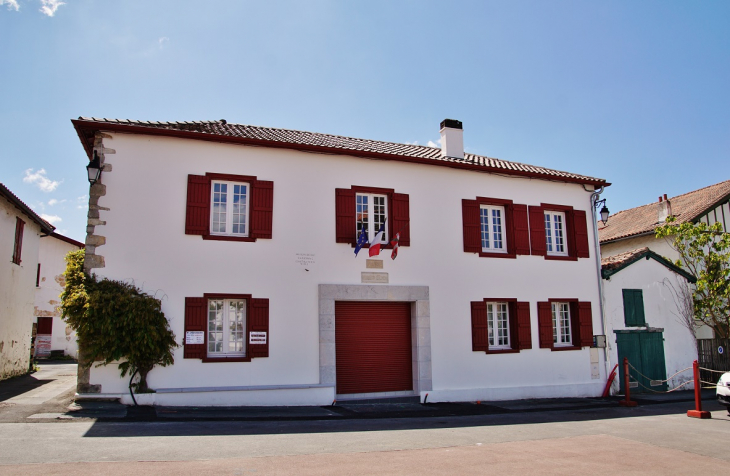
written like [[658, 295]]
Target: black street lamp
[[94, 169], [604, 210]]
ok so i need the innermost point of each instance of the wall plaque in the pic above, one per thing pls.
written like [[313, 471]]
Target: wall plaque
[[379, 278], [374, 264], [195, 337], [257, 337]]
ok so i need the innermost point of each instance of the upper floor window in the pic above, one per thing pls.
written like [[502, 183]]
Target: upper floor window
[[229, 208], [369, 208], [371, 213], [18, 248], [561, 324], [555, 233], [491, 218]]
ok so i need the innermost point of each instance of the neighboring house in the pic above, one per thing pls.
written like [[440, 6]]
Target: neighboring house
[[247, 235], [635, 228], [646, 320], [20, 232], [53, 333]]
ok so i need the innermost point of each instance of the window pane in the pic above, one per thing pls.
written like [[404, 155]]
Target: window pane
[[220, 202], [484, 220], [497, 228], [361, 205], [558, 221], [548, 233], [379, 215], [239, 209]]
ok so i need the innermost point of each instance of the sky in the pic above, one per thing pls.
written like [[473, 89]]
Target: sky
[[633, 92]]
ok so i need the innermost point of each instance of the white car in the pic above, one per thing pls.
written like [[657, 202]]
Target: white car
[[723, 390]]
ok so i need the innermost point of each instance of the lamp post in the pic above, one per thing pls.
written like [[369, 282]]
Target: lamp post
[[94, 169]]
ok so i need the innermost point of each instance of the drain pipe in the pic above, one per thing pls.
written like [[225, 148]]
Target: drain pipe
[[594, 198]]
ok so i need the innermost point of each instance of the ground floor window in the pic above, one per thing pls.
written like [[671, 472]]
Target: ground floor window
[[561, 324], [498, 324], [226, 327]]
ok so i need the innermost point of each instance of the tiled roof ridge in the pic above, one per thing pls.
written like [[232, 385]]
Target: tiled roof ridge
[[612, 260], [681, 195], [368, 145], [20, 204]]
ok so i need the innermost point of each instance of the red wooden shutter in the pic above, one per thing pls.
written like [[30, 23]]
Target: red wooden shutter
[[479, 326], [195, 318], [524, 333], [258, 321], [472, 227], [345, 215], [262, 206], [537, 232], [570, 232], [545, 324], [582, 248], [401, 219], [18, 248], [45, 326], [585, 325], [520, 229], [197, 215]]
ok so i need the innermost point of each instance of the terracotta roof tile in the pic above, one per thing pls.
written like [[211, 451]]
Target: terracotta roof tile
[[312, 141], [615, 261], [641, 220]]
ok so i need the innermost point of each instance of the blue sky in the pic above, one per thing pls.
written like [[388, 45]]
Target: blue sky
[[633, 92]]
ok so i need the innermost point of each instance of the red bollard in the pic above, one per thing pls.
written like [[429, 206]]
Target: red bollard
[[627, 402], [697, 412]]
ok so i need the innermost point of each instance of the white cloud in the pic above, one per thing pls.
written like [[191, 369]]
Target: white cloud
[[39, 178], [49, 7], [52, 219], [83, 202], [415, 142], [53, 201], [12, 4], [163, 41], [436, 144]]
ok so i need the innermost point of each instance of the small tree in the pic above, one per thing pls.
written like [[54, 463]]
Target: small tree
[[115, 321], [704, 251]]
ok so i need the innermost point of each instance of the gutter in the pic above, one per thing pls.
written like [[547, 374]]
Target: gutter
[[599, 276]]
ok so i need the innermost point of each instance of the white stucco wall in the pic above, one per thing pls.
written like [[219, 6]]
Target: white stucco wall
[[51, 256], [680, 348], [658, 246], [17, 287], [146, 243]]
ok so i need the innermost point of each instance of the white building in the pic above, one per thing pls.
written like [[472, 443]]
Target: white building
[[647, 320], [53, 333], [247, 234], [20, 232]]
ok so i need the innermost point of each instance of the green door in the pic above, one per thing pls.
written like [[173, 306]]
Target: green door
[[645, 351]]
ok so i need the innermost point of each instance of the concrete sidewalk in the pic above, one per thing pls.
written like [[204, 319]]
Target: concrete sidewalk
[[115, 411]]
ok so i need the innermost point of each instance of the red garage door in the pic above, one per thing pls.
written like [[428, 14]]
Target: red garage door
[[373, 342]]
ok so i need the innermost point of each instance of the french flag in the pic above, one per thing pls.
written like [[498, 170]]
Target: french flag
[[375, 244]]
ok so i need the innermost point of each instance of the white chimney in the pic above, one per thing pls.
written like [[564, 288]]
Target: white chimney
[[665, 209], [452, 139]]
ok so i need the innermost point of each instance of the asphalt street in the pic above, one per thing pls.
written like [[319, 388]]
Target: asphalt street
[[571, 436]]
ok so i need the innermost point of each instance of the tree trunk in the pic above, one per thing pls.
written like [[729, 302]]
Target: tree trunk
[[142, 385]]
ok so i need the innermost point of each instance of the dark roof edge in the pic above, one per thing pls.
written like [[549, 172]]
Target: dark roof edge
[[68, 240], [18, 203], [607, 273], [635, 235], [82, 125]]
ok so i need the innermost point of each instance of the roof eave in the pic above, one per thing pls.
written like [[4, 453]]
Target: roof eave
[[607, 273], [82, 126], [27, 211]]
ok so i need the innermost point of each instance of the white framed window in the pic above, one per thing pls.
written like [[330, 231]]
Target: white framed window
[[371, 212], [491, 218], [229, 208], [498, 325], [561, 324], [226, 327], [555, 233]]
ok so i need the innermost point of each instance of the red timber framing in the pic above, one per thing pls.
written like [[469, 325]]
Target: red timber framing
[[581, 324], [576, 231], [346, 219], [519, 326], [197, 216], [517, 234], [196, 320], [373, 347]]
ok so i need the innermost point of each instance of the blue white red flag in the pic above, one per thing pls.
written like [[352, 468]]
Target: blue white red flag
[[375, 244]]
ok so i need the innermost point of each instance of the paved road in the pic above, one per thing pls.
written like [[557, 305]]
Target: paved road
[[650, 439]]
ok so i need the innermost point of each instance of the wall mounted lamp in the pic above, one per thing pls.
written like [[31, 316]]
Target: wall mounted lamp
[[94, 169], [604, 210]]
